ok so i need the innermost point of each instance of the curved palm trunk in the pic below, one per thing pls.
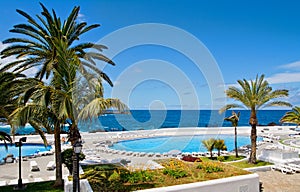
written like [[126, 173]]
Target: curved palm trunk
[[235, 142], [58, 160], [253, 123]]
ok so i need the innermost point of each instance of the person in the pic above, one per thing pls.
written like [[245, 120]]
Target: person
[[63, 140]]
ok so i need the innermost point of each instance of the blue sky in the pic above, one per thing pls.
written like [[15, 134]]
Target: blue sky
[[245, 38]]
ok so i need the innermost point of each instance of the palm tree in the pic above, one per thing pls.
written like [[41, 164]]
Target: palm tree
[[8, 98], [254, 95], [46, 45], [220, 145], [234, 119], [292, 116], [209, 145], [41, 46], [5, 138], [35, 109]]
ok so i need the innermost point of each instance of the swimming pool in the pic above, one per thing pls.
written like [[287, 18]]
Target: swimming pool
[[183, 143], [28, 149]]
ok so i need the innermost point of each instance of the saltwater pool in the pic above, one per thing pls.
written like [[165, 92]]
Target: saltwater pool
[[182, 143], [28, 149]]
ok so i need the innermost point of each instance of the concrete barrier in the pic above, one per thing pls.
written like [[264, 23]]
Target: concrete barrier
[[84, 186], [243, 183]]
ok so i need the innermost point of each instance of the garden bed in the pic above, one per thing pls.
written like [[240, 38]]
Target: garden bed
[[175, 172]]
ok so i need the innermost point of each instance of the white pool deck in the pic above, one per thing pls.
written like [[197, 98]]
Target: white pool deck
[[9, 172]]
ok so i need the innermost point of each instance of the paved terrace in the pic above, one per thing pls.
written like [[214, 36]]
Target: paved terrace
[[272, 181]]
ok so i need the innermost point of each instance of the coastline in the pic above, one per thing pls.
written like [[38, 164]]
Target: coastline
[[124, 135]]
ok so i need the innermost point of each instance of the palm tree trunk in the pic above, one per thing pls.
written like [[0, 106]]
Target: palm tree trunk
[[75, 137], [253, 123], [235, 142], [211, 154], [58, 163]]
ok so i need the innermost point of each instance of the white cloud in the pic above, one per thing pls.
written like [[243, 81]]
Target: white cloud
[[284, 78], [292, 66], [81, 17], [8, 59], [29, 72]]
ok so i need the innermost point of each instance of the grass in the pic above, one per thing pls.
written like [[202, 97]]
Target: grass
[[245, 164], [37, 187], [226, 158], [175, 172]]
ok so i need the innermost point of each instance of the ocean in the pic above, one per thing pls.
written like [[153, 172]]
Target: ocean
[[156, 119]]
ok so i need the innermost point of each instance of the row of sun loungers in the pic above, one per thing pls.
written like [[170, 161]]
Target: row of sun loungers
[[270, 138], [286, 168]]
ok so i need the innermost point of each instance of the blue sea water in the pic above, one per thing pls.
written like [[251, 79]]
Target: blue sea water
[[156, 119]]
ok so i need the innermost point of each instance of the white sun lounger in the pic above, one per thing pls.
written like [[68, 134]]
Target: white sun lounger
[[283, 168], [3, 183], [51, 165], [34, 166], [294, 167]]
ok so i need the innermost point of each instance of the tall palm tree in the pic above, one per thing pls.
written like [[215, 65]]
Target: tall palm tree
[[5, 138], [44, 45], [209, 145], [220, 145], [234, 119], [292, 116], [254, 95]]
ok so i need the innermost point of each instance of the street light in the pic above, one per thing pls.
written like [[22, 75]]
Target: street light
[[76, 180], [19, 144]]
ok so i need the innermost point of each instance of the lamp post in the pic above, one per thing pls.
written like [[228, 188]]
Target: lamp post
[[76, 180], [19, 144]]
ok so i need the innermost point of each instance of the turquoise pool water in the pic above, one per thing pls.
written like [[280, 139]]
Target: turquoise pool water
[[27, 149], [182, 143]]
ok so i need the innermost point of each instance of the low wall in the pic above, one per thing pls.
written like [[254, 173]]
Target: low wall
[[84, 186], [244, 183]]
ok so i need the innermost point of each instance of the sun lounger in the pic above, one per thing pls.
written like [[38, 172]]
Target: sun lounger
[[9, 159], [3, 183], [34, 166], [157, 154], [283, 168], [150, 154], [142, 154], [294, 167], [51, 165]]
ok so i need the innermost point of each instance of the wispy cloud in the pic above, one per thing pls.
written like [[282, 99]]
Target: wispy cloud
[[81, 17], [284, 78], [291, 66], [29, 72]]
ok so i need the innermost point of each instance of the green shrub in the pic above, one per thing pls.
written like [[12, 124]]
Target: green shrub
[[221, 158], [210, 167], [176, 173], [140, 176], [114, 177], [66, 156]]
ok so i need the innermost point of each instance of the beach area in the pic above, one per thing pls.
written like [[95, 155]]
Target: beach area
[[94, 152]]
